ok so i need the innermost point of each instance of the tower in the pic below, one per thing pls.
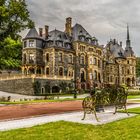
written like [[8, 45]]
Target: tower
[[128, 42]]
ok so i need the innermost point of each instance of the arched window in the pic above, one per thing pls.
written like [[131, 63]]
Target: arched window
[[47, 57], [60, 71], [82, 60], [47, 71]]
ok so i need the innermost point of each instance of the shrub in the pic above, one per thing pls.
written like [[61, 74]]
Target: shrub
[[37, 88], [133, 92]]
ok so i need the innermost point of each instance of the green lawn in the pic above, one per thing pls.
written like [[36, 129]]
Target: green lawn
[[133, 97], [126, 129]]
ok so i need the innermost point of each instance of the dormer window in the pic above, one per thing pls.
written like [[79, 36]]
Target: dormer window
[[31, 43]]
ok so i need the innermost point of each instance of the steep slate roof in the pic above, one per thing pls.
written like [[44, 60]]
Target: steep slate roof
[[116, 49], [79, 30], [33, 34], [56, 35], [128, 52]]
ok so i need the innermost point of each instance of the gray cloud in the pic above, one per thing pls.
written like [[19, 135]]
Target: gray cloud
[[102, 18]]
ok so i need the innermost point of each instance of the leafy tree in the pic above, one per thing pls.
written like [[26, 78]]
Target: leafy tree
[[14, 17], [10, 54]]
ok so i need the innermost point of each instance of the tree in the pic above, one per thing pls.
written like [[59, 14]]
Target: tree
[[14, 17], [138, 67], [10, 54]]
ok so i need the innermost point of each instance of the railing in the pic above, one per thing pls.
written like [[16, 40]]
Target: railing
[[39, 76]]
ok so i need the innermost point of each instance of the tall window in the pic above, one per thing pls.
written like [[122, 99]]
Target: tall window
[[47, 71], [95, 75], [31, 43], [31, 58], [47, 57], [70, 59], [82, 60], [60, 57], [60, 71], [95, 61], [90, 60]]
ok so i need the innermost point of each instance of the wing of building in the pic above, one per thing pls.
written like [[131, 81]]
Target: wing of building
[[75, 56]]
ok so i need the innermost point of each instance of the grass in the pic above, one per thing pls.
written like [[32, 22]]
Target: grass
[[134, 110], [126, 129], [40, 101], [133, 97]]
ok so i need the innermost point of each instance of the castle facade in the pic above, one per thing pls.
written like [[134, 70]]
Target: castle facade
[[75, 56]]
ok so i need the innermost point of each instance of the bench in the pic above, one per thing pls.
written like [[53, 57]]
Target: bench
[[111, 96]]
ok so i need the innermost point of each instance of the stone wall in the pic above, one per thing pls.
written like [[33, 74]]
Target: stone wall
[[20, 86]]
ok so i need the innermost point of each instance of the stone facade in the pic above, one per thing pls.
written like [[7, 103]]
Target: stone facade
[[74, 55]]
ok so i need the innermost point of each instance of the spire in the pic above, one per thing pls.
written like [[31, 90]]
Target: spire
[[128, 32], [128, 42]]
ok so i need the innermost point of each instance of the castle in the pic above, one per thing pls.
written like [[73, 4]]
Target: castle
[[74, 56]]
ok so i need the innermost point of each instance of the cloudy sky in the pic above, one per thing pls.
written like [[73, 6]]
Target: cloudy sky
[[104, 19]]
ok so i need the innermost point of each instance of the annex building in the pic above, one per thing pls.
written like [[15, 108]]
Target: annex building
[[74, 56]]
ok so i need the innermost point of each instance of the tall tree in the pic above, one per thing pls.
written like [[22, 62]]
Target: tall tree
[[14, 17], [10, 54]]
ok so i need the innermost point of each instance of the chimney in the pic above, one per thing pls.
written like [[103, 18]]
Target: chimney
[[46, 31], [68, 26], [40, 32], [121, 43]]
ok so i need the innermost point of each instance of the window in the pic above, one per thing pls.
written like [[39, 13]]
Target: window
[[31, 58], [60, 57], [70, 59], [90, 60], [95, 75], [70, 74], [128, 71], [47, 57], [90, 76], [60, 71], [82, 60], [25, 44], [47, 71], [95, 61], [31, 43], [122, 70]]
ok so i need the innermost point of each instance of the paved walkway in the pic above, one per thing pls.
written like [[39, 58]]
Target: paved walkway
[[104, 117], [17, 97]]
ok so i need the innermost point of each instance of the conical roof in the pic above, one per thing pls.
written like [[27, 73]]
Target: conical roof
[[32, 34]]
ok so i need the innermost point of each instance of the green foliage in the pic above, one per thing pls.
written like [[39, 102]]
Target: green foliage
[[47, 87], [10, 54], [14, 17], [63, 86], [134, 92], [138, 67], [37, 88]]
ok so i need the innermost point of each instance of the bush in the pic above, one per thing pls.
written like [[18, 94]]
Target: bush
[[37, 88]]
